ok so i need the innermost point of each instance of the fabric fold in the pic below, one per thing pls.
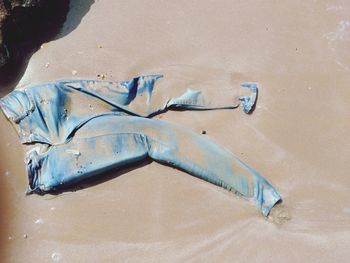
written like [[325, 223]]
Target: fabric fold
[[87, 127]]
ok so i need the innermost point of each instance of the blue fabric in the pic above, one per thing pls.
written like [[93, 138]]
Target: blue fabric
[[75, 143], [248, 102]]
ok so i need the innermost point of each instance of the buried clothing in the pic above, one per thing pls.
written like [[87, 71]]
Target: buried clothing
[[84, 128]]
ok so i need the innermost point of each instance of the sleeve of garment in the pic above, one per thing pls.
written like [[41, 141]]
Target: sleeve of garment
[[140, 97]]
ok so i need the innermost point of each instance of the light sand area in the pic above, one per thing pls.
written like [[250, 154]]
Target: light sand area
[[298, 136]]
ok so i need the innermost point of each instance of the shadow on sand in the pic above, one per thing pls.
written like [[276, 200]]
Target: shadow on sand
[[102, 177]]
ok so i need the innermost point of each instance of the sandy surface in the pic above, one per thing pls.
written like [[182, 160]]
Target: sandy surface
[[298, 137]]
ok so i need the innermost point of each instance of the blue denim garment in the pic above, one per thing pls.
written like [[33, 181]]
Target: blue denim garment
[[80, 143], [248, 102], [48, 106]]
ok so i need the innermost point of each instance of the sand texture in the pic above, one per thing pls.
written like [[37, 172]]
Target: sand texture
[[297, 137]]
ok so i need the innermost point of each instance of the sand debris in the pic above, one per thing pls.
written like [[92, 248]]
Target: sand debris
[[56, 256], [39, 221], [102, 76]]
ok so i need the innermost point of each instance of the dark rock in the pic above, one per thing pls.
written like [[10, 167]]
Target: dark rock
[[24, 26]]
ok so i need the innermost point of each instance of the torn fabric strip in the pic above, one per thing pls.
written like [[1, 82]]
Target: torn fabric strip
[[85, 128]]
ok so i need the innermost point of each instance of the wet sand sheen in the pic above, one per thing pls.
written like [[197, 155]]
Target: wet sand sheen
[[297, 137]]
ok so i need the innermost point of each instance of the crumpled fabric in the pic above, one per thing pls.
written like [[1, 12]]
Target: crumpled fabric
[[248, 102], [83, 128]]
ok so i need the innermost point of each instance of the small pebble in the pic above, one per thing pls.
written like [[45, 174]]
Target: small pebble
[[99, 46], [102, 76], [204, 132], [39, 221], [47, 65], [10, 238], [53, 208], [25, 236], [56, 256], [74, 72], [7, 173]]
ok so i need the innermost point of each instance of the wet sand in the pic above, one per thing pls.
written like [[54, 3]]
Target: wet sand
[[297, 137]]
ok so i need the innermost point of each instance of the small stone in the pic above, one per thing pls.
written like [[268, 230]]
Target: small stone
[[47, 65], [56, 256], [204, 132], [74, 72], [99, 46], [7, 173], [25, 236], [102, 76], [10, 238], [39, 221]]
